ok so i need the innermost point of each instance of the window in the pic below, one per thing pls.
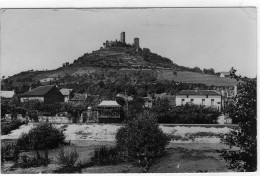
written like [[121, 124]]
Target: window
[[187, 96], [191, 100], [207, 96], [203, 101], [212, 102], [182, 101]]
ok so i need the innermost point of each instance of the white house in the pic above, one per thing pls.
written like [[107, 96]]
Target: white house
[[210, 98]]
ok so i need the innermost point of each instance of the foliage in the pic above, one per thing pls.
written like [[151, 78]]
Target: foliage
[[43, 136], [35, 161], [6, 128], [108, 156], [244, 110], [189, 114], [67, 158], [9, 152], [142, 134]]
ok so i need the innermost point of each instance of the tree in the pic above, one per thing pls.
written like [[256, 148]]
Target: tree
[[244, 110], [142, 134]]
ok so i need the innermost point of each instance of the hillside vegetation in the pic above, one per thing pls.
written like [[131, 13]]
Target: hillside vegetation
[[115, 65]]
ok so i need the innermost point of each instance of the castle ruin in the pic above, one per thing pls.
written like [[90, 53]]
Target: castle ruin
[[122, 42]]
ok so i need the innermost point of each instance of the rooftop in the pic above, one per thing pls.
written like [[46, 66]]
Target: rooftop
[[6, 94], [109, 103], [38, 91], [65, 91], [198, 92], [79, 97]]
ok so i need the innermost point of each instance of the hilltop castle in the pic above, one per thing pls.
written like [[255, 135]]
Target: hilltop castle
[[122, 42]]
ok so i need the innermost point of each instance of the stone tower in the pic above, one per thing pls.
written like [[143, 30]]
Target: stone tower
[[122, 37], [136, 43]]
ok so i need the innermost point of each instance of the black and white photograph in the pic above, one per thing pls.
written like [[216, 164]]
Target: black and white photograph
[[128, 90]]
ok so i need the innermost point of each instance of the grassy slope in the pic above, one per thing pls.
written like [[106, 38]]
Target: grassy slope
[[193, 77]]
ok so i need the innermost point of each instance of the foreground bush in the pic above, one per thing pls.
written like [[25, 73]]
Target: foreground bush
[[67, 158], [6, 128], [245, 137], [142, 135], [107, 156], [43, 136]]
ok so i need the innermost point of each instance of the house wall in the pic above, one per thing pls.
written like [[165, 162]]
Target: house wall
[[23, 99], [66, 98], [197, 99], [53, 96]]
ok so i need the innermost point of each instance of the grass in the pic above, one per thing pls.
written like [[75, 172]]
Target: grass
[[193, 77]]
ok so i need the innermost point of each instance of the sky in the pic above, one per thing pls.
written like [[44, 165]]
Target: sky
[[218, 38]]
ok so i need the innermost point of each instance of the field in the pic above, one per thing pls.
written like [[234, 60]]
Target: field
[[192, 77], [192, 149]]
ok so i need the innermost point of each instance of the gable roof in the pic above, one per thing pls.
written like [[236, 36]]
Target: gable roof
[[38, 91], [198, 92], [6, 94], [65, 91], [109, 103], [79, 97]]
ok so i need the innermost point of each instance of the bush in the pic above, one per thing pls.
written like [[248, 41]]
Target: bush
[[43, 136], [107, 156], [190, 114], [68, 158], [7, 128], [142, 135], [245, 137]]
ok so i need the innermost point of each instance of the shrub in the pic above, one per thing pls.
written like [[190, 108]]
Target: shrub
[[9, 152], [67, 158], [43, 136], [7, 128], [142, 135], [190, 114], [106, 156]]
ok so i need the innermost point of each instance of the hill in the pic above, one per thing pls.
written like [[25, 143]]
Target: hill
[[114, 64]]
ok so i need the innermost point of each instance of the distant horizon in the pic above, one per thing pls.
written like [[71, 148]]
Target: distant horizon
[[218, 38]]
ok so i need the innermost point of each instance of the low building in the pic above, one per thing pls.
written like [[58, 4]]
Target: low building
[[210, 98], [109, 111], [78, 98], [224, 74], [148, 102], [46, 94], [10, 96], [67, 93]]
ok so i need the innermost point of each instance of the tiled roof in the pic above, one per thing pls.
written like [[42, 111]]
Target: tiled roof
[[198, 92], [79, 97], [65, 91], [38, 91], [6, 94], [109, 103]]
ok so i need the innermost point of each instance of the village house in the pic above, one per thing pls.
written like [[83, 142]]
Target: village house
[[210, 98], [46, 94], [224, 74], [67, 93], [148, 102], [10, 96], [109, 111], [79, 98]]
